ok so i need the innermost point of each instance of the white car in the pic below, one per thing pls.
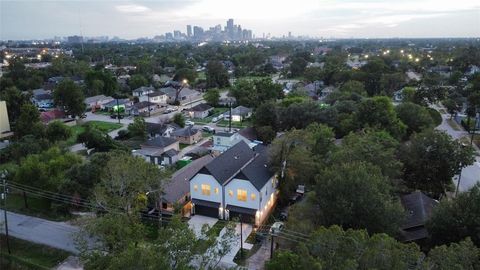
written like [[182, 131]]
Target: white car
[[208, 129], [189, 123], [276, 228]]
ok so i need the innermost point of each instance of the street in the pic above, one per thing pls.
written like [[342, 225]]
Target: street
[[50, 233], [471, 174]]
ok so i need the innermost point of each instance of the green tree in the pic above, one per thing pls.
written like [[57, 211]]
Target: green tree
[[379, 112], [457, 219], [416, 117], [185, 74], [217, 75], [297, 67], [137, 81], [463, 255], [212, 96], [29, 122], [179, 119], [70, 97], [58, 131], [452, 106], [431, 159], [15, 99], [138, 128], [92, 137], [356, 195]]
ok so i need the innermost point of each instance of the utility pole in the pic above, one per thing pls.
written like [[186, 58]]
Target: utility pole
[[230, 118], [474, 128], [118, 111], [271, 246], [3, 176], [241, 237]]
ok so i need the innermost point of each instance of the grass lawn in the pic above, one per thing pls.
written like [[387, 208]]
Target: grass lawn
[[183, 145], [224, 123], [27, 255], [38, 207], [216, 228], [101, 125]]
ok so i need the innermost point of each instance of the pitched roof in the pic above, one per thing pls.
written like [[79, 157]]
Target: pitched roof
[[224, 134], [51, 115], [257, 171], [179, 184], [159, 142], [170, 91], [144, 104], [241, 110], [201, 107], [229, 162], [249, 133], [171, 152], [156, 94], [186, 131], [419, 208], [89, 100], [144, 89], [43, 96]]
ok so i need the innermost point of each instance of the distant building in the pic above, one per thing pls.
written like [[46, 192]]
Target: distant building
[[200, 110], [187, 135], [75, 39], [189, 30], [157, 97], [159, 150]]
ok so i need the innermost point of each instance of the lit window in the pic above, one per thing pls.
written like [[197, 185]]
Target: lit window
[[206, 190], [273, 182], [252, 196], [195, 187], [230, 192], [242, 195], [216, 190]]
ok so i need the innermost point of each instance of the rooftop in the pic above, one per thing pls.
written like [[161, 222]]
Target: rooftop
[[160, 142]]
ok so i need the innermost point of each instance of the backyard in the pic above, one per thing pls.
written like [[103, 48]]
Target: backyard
[[102, 126], [216, 112]]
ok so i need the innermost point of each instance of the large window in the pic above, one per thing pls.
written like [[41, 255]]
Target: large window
[[206, 190], [252, 196], [242, 195]]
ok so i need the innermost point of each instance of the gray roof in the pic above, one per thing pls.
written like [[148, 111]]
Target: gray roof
[[112, 103], [144, 104], [159, 142], [201, 107], [185, 132], [257, 171], [419, 208], [144, 89], [171, 153], [156, 94], [170, 91], [241, 110], [96, 98], [224, 134], [44, 96], [179, 185]]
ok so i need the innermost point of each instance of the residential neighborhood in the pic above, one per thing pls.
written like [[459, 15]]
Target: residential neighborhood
[[353, 146]]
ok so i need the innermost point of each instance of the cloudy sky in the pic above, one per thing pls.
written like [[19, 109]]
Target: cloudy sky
[[28, 19]]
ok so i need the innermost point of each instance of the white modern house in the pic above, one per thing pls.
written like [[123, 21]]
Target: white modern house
[[238, 183], [222, 141], [157, 97]]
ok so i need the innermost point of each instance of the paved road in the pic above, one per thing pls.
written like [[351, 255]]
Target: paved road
[[50, 233], [470, 174]]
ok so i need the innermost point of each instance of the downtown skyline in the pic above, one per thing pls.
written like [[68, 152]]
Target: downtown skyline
[[339, 19]]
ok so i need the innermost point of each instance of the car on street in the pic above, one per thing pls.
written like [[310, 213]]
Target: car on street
[[189, 123], [208, 129]]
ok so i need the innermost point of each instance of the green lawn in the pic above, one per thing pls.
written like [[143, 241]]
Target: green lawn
[[27, 255], [101, 125], [38, 207], [183, 145], [224, 123], [216, 112]]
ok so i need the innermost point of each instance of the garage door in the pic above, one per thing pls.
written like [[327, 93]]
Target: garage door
[[206, 211]]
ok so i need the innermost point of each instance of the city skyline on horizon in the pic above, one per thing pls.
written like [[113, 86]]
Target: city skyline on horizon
[[313, 18]]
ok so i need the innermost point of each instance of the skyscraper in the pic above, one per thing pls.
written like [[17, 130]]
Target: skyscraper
[[230, 29], [189, 30], [197, 32]]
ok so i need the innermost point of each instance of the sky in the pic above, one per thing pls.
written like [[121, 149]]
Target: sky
[[36, 19]]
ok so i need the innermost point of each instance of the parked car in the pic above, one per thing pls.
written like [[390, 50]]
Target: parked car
[[215, 119], [284, 214], [276, 228], [189, 123], [208, 129]]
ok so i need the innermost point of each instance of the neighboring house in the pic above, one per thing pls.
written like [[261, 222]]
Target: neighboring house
[[161, 79], [222, 141], [159, 150], [444, 71], [239, 114], [121, 103], [97, 102], [419, 208], [249, 133], [47, 117], [314, 89], [177, 190], [200, 111], [142, 91], [43, 100], [472, 70], [187, 135], [143, 108], [160, 130], [157, 97], [186, 95], [238, 183], [4, 122]]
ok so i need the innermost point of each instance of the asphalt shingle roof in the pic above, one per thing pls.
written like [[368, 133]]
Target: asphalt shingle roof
[[201, 107], [185, 132], [419, 208], [159, 142]]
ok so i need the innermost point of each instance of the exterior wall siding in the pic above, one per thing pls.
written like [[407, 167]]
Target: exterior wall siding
[[236, 184], [200, 179]]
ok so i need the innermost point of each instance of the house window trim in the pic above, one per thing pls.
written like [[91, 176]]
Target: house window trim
[[206, 191], [242, 197]]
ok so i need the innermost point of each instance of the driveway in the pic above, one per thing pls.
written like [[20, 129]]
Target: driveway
[[196, 222], [50, 233]]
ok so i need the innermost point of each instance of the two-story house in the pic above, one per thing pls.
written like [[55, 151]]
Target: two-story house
[[238, 183], [159, 150], [142, 91], [222, 141]]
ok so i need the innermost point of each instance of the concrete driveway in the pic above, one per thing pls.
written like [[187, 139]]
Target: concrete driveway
[[196, 223]]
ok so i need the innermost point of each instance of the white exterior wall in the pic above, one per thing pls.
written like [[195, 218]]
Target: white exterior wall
[[200, 179], [235, 184], [157, 99], [267, 191]]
